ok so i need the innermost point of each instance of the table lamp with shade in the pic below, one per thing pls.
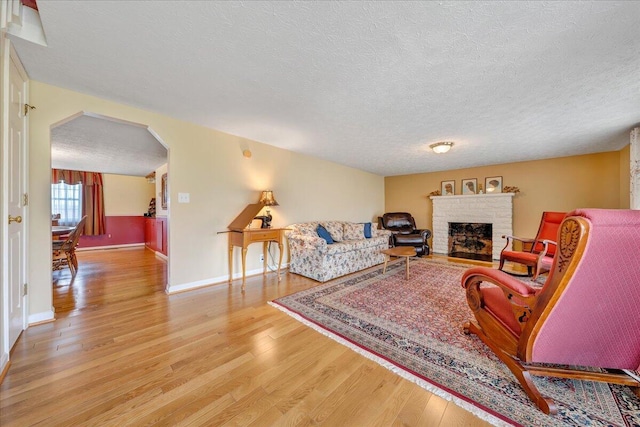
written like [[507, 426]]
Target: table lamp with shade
[[267, 199]]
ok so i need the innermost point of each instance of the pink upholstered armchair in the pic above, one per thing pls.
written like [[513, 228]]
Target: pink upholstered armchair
[[585, 315]]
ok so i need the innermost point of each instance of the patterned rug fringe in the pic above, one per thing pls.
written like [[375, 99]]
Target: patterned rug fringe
[[480, 413]]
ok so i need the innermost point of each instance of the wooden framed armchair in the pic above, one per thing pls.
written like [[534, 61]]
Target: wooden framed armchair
[[539, 257], [585, 315]]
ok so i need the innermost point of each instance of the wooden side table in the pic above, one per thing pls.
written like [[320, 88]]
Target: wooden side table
[[247, 236], [399, 251]]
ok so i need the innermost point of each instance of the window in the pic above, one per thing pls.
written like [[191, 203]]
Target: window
[[66, 200]]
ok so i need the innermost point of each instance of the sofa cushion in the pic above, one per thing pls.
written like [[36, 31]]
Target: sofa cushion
[[306, 228], [367, 230], [353, 246], [353, 231], [335, 228], [322, 232]]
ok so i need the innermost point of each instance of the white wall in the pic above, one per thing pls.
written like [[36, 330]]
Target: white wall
[[208, 165]]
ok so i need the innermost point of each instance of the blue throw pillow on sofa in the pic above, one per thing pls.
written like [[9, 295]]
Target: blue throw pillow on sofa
[[367, 230], [322, 232]]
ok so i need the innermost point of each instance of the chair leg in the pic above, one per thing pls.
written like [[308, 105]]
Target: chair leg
[[74, 260], [529, 270], [535, 274], [546, 404], [71, 265]]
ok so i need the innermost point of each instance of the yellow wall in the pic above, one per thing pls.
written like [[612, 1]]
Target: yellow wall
[[208, 165], [126, 195], [560, 184]]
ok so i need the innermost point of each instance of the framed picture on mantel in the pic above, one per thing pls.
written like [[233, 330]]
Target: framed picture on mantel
[[469, 186], [493, 184], [448, 188]]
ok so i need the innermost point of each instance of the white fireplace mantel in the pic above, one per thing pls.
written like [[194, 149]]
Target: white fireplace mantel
[[495, 209]]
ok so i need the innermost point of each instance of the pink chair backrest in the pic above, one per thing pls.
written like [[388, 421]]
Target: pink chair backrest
[[596, 321]]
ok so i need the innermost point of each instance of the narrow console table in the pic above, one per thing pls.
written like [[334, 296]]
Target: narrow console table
[[243, 238]]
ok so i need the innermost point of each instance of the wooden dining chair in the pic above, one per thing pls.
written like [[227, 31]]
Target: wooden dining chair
[[64, 251]]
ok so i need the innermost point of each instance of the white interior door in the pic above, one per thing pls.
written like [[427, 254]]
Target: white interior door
[[16, 198]]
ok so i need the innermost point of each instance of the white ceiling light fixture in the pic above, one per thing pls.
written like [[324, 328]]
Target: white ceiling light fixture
[[441, 147]]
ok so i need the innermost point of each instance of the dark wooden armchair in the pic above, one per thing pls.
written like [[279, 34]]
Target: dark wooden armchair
[[539, 256], [585, 315]]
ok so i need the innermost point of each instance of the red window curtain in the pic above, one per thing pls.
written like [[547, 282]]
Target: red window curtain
[[93, 197]]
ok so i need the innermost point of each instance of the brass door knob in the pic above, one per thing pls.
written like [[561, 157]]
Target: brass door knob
[[17, 219]]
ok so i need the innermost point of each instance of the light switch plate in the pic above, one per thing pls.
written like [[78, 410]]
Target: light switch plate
[[183, 197]]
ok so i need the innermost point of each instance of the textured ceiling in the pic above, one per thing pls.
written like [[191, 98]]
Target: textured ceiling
[[365, 84], [99, 144]]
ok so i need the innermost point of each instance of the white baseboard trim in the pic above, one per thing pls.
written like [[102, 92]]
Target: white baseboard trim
[[97, 248], [4, 363], [46, 316], [217, 280]]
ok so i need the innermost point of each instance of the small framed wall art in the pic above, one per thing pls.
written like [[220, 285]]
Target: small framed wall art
[[164, 195], [448, 188], [469, 186], [493, 184]]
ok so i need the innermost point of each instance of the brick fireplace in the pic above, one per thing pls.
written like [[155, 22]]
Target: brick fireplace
[[494, 209]]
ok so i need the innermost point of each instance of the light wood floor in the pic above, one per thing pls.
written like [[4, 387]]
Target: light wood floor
[[122, 352]]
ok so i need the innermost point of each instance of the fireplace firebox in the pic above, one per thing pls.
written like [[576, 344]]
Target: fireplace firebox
[[470, 240]]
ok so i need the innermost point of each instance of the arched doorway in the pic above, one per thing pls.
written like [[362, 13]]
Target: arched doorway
[[127, 156]]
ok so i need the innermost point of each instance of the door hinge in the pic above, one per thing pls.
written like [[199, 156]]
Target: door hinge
[[24, 292], [28, 107], [25, 199]]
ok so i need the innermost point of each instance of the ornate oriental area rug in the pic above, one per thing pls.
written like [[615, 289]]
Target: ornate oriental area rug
[[414, 328]]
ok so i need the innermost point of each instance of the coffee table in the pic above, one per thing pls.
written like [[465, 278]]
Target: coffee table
[[399, 251]]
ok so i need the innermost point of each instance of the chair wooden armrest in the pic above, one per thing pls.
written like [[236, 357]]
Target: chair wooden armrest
[[545, 246], [520, 296], [521, 239], [510, 239], [509, 284]]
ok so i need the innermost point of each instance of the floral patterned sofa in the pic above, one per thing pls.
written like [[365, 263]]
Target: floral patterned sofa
[[311, 256]]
